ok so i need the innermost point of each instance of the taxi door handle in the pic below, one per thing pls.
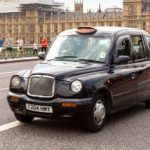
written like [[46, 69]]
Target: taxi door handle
[[133, 76]]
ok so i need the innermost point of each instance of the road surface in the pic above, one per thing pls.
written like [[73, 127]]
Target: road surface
[[125, 130]]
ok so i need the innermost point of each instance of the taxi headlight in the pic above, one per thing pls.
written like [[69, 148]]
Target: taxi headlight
[[76, 86], [15, 81]]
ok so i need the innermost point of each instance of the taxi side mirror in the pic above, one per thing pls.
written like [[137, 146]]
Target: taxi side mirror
[[122, 59], [42, 55]]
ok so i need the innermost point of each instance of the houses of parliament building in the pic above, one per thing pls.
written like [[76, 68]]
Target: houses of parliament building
[[35, 19]]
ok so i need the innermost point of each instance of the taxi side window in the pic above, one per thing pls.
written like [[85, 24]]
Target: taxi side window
[[123, 46], [138, 47], [148, 42], [147, 38]]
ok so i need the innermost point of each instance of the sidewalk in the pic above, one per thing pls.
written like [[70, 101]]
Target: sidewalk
[[10, 60]]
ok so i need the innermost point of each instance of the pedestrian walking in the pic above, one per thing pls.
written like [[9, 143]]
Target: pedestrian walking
[[44, 45], [9, 46], [35, 49], [1, 47], [20, 47]]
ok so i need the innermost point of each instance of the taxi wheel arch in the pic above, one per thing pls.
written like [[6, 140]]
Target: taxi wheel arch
[[23, 118], [108, 99]]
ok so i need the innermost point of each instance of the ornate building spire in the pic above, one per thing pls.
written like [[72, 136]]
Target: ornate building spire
[[78, 6], [99, 9]]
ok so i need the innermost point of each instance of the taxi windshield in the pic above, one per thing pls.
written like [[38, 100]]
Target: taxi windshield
[[75, 48]]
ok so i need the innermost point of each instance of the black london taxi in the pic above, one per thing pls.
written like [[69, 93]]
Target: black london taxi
[[89, 72]]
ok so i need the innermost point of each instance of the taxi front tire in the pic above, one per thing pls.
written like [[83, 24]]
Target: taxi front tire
[[23, 118], [97, 116]]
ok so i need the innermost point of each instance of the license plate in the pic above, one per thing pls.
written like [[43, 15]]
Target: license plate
[[39, 108]]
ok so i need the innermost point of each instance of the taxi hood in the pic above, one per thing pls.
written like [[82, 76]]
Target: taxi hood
[[62, 70]]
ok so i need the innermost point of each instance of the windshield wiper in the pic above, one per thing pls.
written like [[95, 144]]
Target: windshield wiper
[[89, 60], [80, 60], [62, 58], [65, 57]]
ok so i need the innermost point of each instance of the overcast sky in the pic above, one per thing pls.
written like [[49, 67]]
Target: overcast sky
[[93, 4]]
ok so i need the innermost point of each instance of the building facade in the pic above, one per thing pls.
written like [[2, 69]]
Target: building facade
[[35, 19], [136, 13]]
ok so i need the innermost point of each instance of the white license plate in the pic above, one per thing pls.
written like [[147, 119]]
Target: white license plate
[[39, 108]]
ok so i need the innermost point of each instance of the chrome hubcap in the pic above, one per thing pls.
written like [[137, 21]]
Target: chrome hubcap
[[99, 112]]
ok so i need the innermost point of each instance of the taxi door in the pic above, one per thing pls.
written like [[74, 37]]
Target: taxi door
[[142, 67], [124, 77]]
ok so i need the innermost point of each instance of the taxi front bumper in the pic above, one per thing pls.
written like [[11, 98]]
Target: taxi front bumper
[[60, 106]]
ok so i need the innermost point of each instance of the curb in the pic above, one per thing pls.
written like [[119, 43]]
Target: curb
[[18, 60]]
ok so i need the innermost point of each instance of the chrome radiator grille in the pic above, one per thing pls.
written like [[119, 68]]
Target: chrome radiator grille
[[41, 86]]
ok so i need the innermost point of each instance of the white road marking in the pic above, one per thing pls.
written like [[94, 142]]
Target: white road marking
[[13, 125], [10, 125], [3, 89], [2, 73]]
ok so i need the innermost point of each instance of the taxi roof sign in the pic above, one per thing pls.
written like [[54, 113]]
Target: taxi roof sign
[[86, 30]]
